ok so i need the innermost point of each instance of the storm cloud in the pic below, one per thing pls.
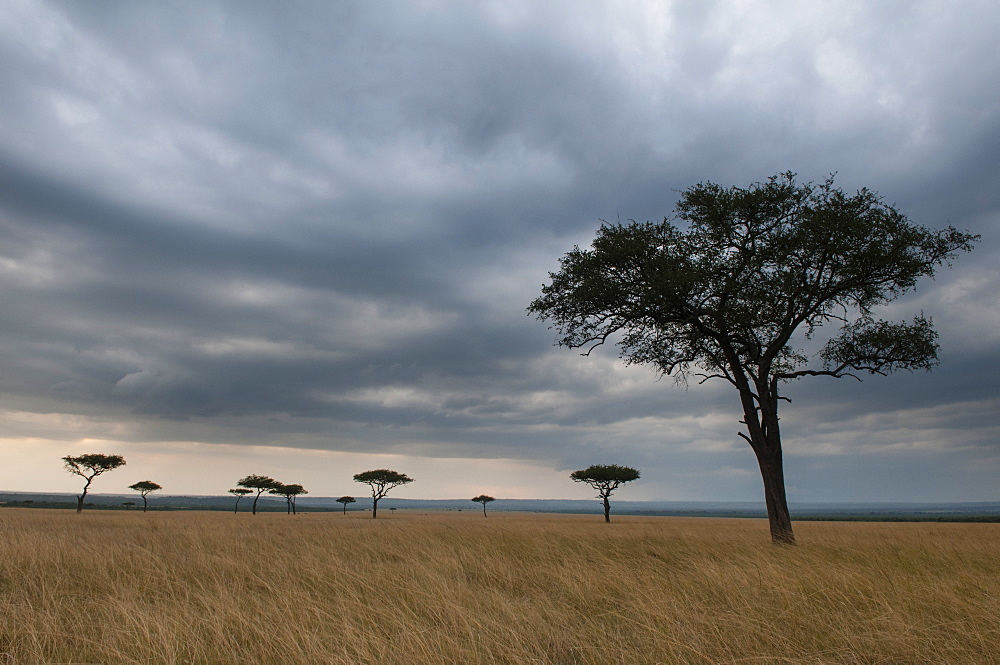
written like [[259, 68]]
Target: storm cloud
[[316, 226]]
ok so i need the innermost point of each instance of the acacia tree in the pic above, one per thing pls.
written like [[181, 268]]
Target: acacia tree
[[483, 499], [89, 467], [145, 487], [259, 484], [605, 478], [732, 291], [381, 481], [346, 500], [289, 492], [240, 492]]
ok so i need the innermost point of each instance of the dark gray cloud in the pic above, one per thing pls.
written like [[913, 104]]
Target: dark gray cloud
[[317, 226]]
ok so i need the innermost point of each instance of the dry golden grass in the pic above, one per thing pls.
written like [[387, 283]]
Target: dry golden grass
[[113, 587]]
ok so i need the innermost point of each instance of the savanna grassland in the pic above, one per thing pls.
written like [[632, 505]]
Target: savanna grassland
[[409, 588]]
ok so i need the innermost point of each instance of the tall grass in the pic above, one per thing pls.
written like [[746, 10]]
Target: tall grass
[[114, 587]]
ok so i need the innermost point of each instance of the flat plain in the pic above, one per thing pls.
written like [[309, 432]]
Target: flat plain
[[428, 588]]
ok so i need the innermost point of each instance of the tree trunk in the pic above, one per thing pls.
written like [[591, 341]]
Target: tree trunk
[[484, 511], [237, 508], [607, 510], [143, 503], [374, 508], [345, 508], [773, 475], [764, 438], [79, 502], [254, 511]]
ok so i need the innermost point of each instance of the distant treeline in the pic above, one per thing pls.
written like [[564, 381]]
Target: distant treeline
[[30, 503], [103, 503], [833, 513]]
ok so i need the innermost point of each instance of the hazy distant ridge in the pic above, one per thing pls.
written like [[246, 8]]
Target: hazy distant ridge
[[580, 506]]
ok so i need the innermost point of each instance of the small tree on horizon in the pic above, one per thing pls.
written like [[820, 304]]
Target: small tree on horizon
[[259, 484], [240, 492], [346, 500], [289, 492], [605, 478], [483, 499], [89, 467], [381, 481], [145, 487]]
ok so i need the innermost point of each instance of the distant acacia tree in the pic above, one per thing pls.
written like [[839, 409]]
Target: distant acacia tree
[[289, 492], [128, 505], [605, 478], [259, 484], [381, 481], [298, 491], [346, 500], [240, 492], [89, 467], [483, 499], [145, 487]]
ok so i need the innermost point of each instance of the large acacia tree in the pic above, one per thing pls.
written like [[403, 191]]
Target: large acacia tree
[[381, 481], [259, 484], [239, 492], [737, 283], [346, 500], [484, 499], [605, 478], [88, 467], [145, 488], [290, 492]]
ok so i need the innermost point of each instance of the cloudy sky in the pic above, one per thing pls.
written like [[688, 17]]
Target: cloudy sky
[[299, 238]]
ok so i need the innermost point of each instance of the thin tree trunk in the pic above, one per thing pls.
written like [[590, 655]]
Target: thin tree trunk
[[778, 517], [79, 502], [237, 508], [345, 508], [761, 420], [254, 511], [774, 477], [607, 510], [767, 448], [143, 503], [484, 511], [374, 508]]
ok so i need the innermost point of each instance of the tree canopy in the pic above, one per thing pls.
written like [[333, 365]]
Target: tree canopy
[[381, 481], [90, 466], [605, 478], [737, 284]]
